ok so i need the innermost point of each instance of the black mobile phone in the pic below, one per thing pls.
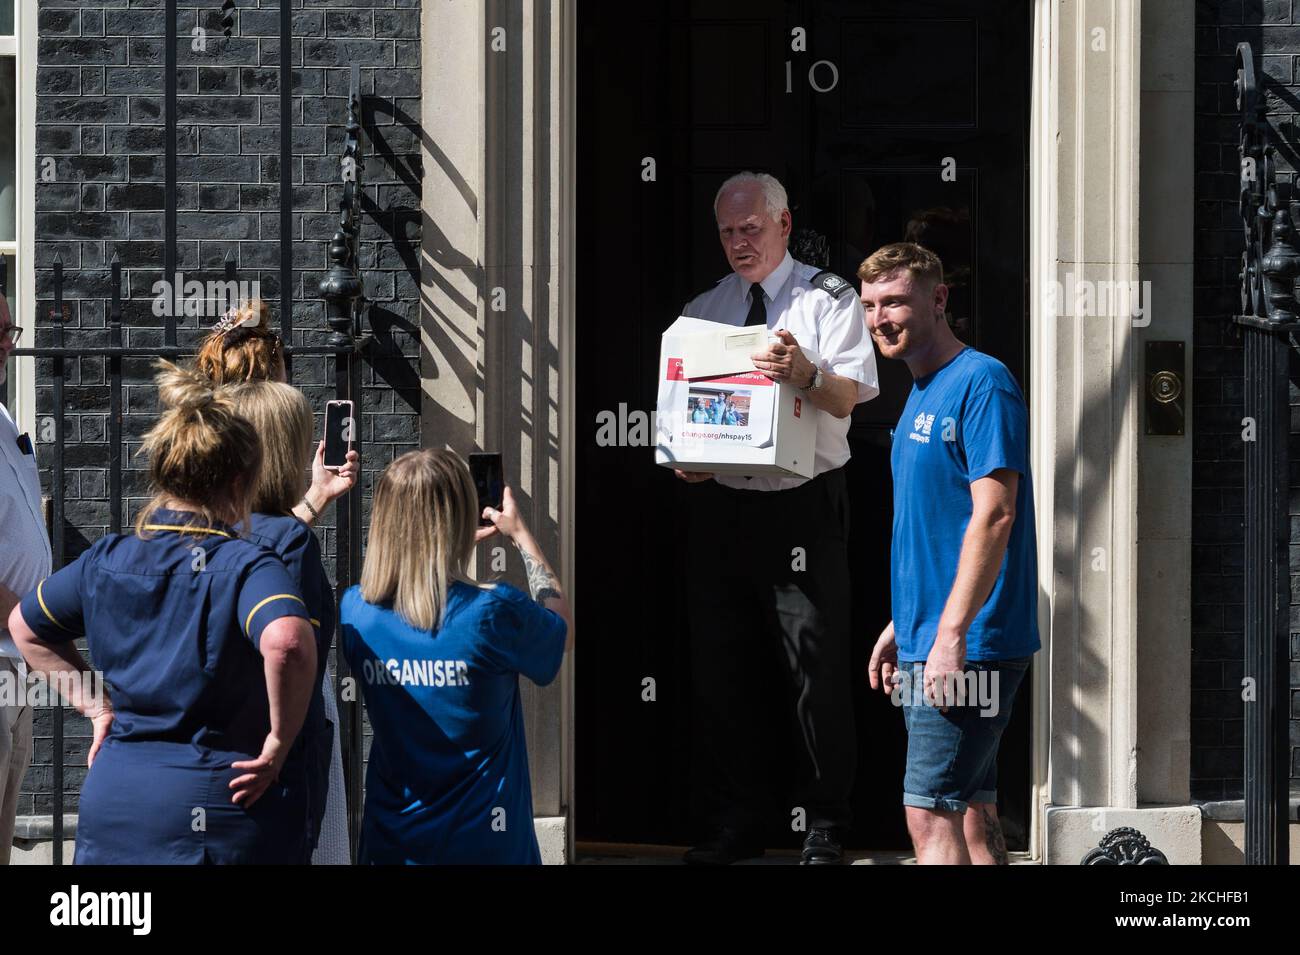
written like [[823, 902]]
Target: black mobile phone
[[340, 428], [489, 480]]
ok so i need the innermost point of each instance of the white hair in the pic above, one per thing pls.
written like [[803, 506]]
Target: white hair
[[773, 191]]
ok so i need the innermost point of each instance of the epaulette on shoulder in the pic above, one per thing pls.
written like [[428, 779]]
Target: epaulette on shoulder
[[831, 284]]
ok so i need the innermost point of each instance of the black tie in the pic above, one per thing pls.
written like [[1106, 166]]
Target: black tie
[[757, 310]]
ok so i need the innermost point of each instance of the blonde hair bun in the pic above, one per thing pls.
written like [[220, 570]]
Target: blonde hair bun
[[183, 389], [200, 450]]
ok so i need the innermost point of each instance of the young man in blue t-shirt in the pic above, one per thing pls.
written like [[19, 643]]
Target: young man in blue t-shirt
[[964, 581]]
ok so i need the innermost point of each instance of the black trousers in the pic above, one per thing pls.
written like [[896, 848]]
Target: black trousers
[[768, 591]]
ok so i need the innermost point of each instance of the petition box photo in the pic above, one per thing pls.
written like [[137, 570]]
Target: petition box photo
[[716, 413]]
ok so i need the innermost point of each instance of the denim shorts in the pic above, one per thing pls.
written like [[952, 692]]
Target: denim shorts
[[952, 758]]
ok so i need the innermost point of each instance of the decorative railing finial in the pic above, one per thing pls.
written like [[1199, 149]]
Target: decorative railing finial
[[1124, 846], [1270, 262], [1281, 265], [342, 287]]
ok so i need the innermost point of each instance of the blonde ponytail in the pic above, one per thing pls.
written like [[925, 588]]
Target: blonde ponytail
[[282, 417]]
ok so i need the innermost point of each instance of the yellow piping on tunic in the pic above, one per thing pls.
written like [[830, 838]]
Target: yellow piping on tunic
[[41, 598], [185, 529], [263, 602]]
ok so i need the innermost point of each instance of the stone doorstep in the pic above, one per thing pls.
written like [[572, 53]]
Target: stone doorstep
[[551, 836], [1070, 832], [609, 854], [629, 853], [30, 832]]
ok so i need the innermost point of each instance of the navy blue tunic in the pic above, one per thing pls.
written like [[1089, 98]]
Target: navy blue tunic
[[294, 543], [173, 621]]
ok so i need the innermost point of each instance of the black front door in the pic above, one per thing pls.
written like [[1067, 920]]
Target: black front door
[[885, 120]]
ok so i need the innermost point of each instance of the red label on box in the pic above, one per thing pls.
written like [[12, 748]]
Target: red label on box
[[797, 405], [745, 378], [675, 371]]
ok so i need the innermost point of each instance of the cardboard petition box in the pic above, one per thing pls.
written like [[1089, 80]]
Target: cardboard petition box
[[716, 413]]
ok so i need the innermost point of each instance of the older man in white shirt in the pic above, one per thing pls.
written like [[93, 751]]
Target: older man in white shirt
[[778, 584], [25, 560]]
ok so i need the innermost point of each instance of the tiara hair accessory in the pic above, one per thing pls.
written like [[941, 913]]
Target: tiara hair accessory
[[231, 320]]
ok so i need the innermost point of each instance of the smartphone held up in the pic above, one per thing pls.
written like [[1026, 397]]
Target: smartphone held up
[[488, 471], [340, 433]]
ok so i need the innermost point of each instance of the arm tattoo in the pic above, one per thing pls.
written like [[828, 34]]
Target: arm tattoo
[[997, 846], [541, 582]]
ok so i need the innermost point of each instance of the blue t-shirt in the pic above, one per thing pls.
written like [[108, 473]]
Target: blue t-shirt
[[448, 781], [174, 621], [961, 423]]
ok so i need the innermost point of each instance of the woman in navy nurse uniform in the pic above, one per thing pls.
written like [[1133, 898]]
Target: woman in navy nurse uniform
[[283, 420], [439, 658], [205, 642]]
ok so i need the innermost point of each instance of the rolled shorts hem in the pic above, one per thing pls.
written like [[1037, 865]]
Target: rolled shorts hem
[[934, 802]]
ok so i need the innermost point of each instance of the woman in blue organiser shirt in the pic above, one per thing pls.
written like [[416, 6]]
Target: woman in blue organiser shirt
[[203, 638], [439, 659], [282, 419]]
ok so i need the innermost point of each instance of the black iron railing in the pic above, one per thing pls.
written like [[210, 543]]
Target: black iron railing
[[343, 293], [1270, 316]]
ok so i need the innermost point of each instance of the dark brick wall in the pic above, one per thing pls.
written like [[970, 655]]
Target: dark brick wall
[[100, 88], [1273, 29]]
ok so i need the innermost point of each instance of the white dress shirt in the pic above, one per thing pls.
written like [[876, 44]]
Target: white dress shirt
[[25, 557], [832, 326]]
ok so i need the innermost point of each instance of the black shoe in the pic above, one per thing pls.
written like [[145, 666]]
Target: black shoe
[[726, 847], [822, 847]]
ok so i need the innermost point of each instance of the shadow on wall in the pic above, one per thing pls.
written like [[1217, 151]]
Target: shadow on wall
[[1085, 669], [401, 224]]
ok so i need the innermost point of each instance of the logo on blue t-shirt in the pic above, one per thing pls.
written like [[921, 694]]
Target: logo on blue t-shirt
[[967, 420], [921, 426]]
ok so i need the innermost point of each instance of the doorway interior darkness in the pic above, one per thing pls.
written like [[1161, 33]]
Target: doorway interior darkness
[[861, 126]]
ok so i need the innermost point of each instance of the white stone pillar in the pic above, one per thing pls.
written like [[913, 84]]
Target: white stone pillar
[[1164, 577], [498, 138], [1100, 601]]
